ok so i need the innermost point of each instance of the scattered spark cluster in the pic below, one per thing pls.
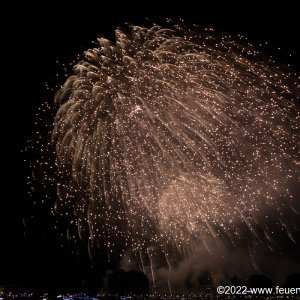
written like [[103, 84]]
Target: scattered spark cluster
[[174, 137]]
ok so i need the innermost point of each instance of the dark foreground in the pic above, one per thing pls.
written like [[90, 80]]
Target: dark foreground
[[207, 296]]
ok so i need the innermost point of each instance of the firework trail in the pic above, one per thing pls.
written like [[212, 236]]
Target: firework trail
[[172, 138]]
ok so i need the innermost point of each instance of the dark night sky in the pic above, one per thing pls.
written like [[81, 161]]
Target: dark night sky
[[48, 33]]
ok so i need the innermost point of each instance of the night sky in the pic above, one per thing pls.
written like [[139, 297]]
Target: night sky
[[46, 34]]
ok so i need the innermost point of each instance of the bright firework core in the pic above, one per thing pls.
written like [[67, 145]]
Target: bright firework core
[[174, 139]]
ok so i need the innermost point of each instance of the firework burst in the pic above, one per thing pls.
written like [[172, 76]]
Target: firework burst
[[171, 138]]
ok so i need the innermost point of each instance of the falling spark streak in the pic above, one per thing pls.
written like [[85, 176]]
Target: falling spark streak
[[151, 268], [174, 138], [142, 262], [169, 272]]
